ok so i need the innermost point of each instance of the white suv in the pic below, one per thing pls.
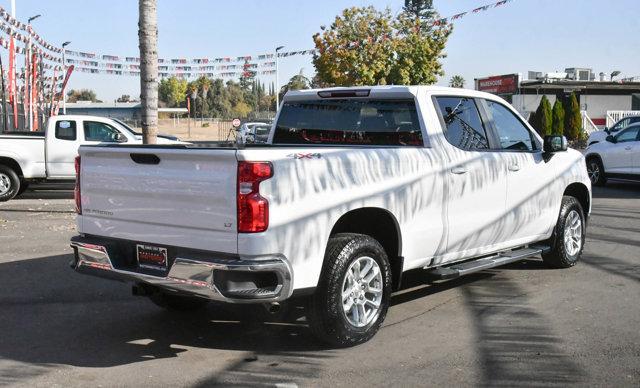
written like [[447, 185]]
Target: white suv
[[617, 157]]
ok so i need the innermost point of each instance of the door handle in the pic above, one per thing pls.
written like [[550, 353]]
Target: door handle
[[459, 170], [627, 148], [514, 167]]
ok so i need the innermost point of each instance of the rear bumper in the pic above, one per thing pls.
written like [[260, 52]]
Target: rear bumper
[[210, 278]]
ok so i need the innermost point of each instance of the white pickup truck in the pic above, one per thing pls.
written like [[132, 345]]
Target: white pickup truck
[[355, 187], [27, 157]]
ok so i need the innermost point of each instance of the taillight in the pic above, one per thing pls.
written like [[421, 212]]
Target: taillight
[[253, 209], [76, 190]]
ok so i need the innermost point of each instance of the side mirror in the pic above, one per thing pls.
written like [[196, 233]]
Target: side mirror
[[554, 143], [611, 139], [607, 130], [120, 138]]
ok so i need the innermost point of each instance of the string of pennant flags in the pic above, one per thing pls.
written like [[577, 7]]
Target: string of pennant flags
[[186, 68]]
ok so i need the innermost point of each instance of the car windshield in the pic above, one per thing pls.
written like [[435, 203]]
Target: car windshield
[[344, 121], [127, 128]]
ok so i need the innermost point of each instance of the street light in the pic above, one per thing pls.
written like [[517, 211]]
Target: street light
[[277, 83], [64, 71], [614, 74], [27, 73]]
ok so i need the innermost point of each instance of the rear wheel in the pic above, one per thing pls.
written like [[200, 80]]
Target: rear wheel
[[9, 183], [595, 169], [568, 236], [352, 297], [177, 302]]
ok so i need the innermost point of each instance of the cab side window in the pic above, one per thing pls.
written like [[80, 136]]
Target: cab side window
[[463, 126], [66, 130], [512, 133], [102, 132], [629, 134]]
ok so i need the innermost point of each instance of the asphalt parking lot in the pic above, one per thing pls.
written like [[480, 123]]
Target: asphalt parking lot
[[516, 325]]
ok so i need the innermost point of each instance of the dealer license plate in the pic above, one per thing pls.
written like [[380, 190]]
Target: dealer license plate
[[150, 256]]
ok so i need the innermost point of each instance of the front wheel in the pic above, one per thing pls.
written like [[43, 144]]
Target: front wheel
[[568, 236], [352, 297], [595, 169]]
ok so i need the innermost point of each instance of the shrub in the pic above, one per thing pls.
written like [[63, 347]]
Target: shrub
[[558, 118]]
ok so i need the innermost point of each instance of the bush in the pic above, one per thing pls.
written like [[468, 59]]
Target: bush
[[558, 118], [540, 120], [573, 119]]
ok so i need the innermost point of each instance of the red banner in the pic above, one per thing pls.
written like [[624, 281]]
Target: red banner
[[64, 85], [34, 91]]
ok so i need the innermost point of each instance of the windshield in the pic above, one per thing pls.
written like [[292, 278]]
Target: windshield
[[127, 128], [344, 121]]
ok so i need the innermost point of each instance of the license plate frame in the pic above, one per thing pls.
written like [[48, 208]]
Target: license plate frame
[[153, 257]]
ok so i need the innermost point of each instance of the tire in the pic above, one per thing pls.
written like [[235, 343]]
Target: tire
[[596, 173], [23, 187], [178, 302], [565, 250], [9, 183], [346, 255]]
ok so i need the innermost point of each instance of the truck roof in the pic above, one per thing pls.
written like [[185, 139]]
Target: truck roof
[[387, 91]]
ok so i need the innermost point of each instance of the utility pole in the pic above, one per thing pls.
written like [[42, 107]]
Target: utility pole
[[277, 83], [64, 71]]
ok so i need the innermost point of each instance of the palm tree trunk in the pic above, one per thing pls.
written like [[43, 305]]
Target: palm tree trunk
[[148, 43]]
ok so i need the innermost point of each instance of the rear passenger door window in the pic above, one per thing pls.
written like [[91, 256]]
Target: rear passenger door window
[[463, 125], [512, 134], [66, 130]]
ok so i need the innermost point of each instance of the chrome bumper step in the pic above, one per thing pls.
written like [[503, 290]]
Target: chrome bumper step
[[465, 268]]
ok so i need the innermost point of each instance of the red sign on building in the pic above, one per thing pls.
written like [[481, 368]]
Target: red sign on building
[[499, 84]]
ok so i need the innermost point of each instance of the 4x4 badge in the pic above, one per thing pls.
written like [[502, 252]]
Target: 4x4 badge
[[305, 155]]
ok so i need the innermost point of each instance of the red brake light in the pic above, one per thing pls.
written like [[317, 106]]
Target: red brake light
[[253, 209], [76, 190]]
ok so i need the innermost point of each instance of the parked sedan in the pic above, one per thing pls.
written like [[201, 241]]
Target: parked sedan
[[599, 136], [617, 157]]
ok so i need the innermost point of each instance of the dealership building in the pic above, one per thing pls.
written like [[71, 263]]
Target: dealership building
[[602, 101]]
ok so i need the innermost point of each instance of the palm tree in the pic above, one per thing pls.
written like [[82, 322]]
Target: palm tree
[[456, 81], [148, 43]]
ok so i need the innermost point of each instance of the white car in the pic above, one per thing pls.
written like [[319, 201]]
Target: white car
[[27, 157], [355, 187], [247, 131], [599, 136], [617, 157]]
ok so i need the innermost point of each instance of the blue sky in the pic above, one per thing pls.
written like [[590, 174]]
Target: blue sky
[[542, 35]]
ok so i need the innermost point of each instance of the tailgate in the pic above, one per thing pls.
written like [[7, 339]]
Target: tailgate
[[187, 199]]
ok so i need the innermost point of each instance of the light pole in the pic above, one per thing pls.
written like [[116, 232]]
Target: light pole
[[614, 73], [29, 84], [64, 72], [194, 96], [277, 83]]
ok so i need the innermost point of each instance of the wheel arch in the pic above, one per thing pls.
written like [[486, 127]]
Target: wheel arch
[[580, 192], [13, 164], [381, 225]]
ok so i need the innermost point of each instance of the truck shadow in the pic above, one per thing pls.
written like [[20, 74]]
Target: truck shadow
[[52, 316], [515, 343]]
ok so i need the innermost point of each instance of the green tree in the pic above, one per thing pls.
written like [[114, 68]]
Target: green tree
[[364, 46], [456, 81], [573, 119], [74, 95], [541, 119], [558, 118], [297, 82], [172, 91], [420, 9]]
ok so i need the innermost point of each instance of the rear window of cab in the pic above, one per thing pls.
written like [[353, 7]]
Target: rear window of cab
[[349, 121]]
